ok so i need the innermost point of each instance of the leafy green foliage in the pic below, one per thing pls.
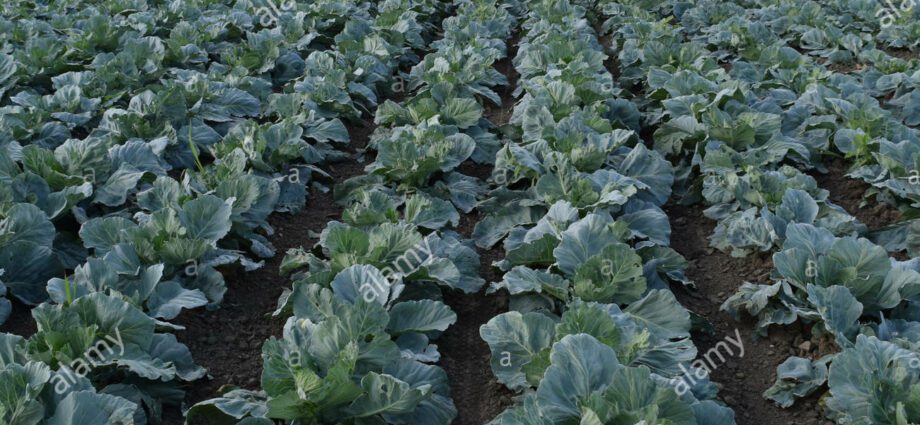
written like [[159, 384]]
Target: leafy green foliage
[[98, 341], [144, 146]]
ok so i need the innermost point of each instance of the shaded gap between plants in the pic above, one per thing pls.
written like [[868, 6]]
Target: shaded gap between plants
[[849, 194], [465, 356]]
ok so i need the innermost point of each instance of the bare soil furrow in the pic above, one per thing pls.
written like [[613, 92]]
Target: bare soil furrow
[[850, 193], [464, 355]]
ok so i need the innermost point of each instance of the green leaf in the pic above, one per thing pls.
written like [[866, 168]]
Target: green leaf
[[87, 408], [206, 218], [583, 240], [515, 339], [613, 276], [796, 377], [462, 112], [26, 223], [580, 365], [839, 309], [384, 394], [420, 316], [114, 192], [432, 213]]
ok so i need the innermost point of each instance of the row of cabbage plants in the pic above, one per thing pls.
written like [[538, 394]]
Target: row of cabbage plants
[[594, 335], [367, 300]]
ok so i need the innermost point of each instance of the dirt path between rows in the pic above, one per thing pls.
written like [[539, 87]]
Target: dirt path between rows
[[717, 277], [464, 354], [849, 193]]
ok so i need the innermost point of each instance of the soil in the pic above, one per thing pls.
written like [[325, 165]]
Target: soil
[[464, 355], [20, 321], [228, 341], [500, 114], [849, 194], [717, 277], [903, 54], [840, 67]]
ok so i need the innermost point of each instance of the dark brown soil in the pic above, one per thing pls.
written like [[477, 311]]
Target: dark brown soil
[[612, 64], [850, 194], [20, 321], [464, 355], [500, 114], [903, 54], [717, 277], [842, 68]]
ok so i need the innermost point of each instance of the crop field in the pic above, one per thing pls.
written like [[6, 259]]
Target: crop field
[[460, 212]]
